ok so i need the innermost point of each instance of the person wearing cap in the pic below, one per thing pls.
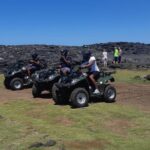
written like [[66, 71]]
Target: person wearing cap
[[93, 70], [65, 62]]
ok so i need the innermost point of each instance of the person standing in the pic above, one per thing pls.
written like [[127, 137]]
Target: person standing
[[104, 58], [120, 55], [116, 55]]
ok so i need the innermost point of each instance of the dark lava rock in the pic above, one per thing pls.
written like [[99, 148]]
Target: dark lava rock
[[50, 143], [135, 55], [36, 145], [40, 144], [147, 77]]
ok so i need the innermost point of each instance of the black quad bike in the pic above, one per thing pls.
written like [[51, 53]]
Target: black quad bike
[[16, 75], [77, 89], [43, 80]]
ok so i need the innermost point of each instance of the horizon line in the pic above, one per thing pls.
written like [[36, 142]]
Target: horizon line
[[46, 44]]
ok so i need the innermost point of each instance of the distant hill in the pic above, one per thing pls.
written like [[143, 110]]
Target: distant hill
[[135, 55]]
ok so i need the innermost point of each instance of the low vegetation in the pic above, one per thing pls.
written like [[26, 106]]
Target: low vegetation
[[130, 76]]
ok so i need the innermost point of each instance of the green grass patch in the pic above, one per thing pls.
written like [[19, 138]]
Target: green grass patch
[[128, 76], [100, 126], [1, 80]]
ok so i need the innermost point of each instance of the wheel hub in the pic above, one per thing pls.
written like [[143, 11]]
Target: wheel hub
[[111, 94], [81, 98], [17, 84]]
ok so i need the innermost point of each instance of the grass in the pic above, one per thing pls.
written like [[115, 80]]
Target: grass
[[104, 126], [128, 76], [1, 81], [100, 126]]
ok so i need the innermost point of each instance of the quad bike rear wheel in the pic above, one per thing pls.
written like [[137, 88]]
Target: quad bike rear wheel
[[16, 84], [110, 94], [7, 83]]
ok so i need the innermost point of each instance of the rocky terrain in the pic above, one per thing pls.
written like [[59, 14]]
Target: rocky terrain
[[135, 55]]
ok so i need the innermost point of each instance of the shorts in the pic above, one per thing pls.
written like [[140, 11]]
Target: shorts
[[96, 74], [31, 67], [65, 69], [116, 59]]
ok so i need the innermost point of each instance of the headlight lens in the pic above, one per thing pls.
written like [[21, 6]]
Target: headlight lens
[[36, 76], [85, 74], [51, 77], [74, 81], [23, 68], [101, 82], [13, 73]]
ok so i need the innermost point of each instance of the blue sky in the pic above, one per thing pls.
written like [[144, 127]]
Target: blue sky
[[74, 22]]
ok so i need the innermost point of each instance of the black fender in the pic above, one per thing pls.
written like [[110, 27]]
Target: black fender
[[112, 79]]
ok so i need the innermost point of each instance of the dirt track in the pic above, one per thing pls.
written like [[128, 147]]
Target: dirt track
[[127, 94]]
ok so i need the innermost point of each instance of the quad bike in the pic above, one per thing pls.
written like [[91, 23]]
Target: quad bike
[[77, 89], [43, 80], [16, 75]]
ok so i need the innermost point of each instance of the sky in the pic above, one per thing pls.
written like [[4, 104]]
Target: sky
[[74, 22]]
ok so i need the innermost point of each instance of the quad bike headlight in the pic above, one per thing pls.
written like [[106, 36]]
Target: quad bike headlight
[[74, 81], [23, 68], [13, 73], [101, 82], [36, 76], [85, 74], [51, 77]]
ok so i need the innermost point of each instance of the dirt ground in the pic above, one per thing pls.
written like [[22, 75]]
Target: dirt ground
[[134, 94], [127, 94]]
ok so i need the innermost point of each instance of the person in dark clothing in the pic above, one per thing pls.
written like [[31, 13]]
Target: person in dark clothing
[[120, 55], [85, 57], [34, 64], [65, 62]]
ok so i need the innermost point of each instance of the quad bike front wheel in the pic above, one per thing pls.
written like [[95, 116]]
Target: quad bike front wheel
[[16, 84], [54, 94], [58, 97], [79, 98], [35, 91], [110, 94]]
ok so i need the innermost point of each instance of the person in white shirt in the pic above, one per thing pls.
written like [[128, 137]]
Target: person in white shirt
[[104, 58], [93, 70]]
